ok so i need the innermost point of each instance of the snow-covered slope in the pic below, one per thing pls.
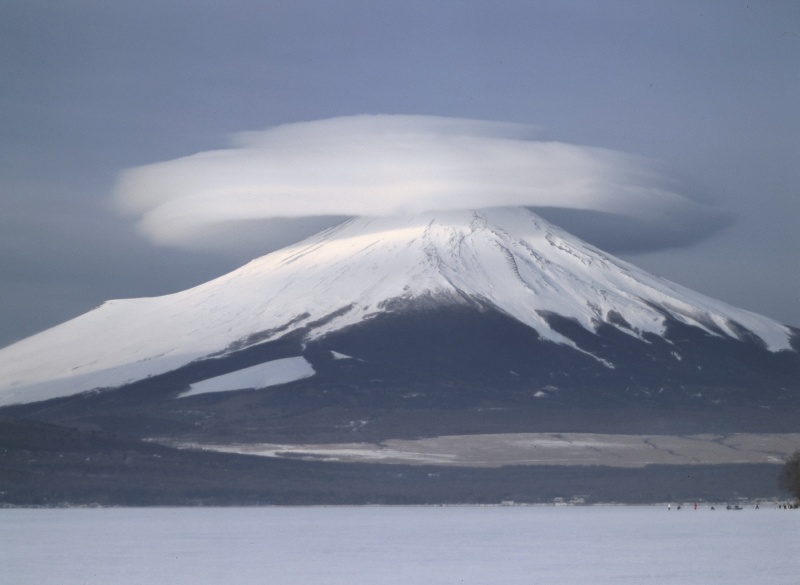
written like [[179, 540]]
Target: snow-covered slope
[[262, 375], [509, 259]]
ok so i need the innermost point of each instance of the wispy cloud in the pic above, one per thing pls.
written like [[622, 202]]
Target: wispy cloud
[[382, 165]]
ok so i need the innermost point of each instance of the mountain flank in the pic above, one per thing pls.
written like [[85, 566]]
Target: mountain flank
[[473, 323]]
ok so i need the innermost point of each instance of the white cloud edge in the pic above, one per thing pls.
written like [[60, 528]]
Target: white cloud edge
[[385, 165]]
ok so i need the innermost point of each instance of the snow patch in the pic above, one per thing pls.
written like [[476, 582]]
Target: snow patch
[[261, 376]]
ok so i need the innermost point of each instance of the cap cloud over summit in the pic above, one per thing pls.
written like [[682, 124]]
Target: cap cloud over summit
[[386, 164]]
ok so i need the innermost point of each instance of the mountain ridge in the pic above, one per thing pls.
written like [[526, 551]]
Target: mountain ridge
[[505, 260]]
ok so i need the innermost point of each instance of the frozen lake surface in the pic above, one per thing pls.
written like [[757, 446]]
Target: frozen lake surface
[[400, 545]]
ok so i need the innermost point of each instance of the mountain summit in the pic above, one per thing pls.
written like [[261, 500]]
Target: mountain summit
[[498, 295]]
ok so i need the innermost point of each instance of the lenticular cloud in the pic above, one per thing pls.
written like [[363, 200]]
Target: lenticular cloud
[[384, 165]]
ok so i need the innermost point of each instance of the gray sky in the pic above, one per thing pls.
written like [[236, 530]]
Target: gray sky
[[708, 90]]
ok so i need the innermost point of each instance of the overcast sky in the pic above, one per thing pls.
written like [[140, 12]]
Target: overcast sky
[[105, 105]]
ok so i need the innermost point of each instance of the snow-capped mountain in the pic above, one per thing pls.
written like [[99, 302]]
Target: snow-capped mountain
[[341, 292]]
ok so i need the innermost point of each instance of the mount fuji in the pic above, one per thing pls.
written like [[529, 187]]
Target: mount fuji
[[455, 309], [464, 356]]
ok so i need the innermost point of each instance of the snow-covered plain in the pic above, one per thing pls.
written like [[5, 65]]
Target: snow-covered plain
[[401, 545], [480, 450]]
